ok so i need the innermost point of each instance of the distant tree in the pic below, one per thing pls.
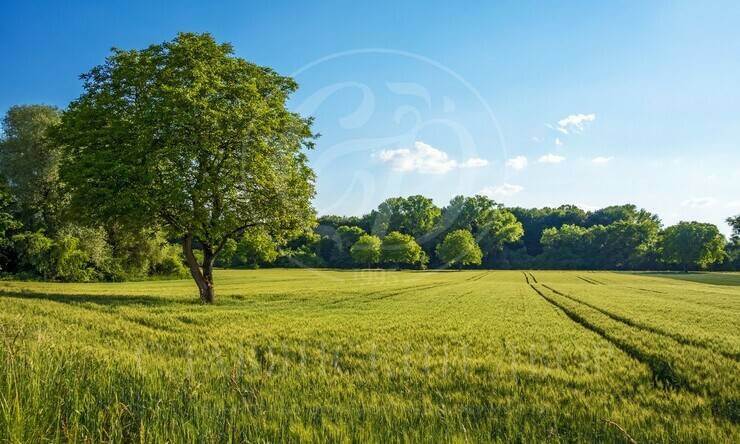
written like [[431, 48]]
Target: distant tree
[[567, 247], [335, 221], [346, 237], [733, 248], [401, 249], [535, 220], [254, 248], [623, 244], [459, 248], [619, 213], [693, 244], [366, 251], [414, 215], [491, 225], [8, 226], [734, 223], [29, 161], [498, 227], [186, 135]]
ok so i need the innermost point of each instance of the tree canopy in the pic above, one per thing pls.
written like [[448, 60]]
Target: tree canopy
[[401, 249], [29, 161], [693, 244], [459, 248], [366, 251], [185, 135]]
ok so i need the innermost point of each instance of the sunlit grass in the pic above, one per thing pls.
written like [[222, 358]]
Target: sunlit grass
[[304, 355]]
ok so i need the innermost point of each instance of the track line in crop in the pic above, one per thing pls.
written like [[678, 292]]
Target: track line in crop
[[477, 277], [534, 279], [641, 326], [381, 291], [664, 369], [590, 280], [597, 281], [526, 278], [586, 280], [645, 289], [660, 369], [414, 288]]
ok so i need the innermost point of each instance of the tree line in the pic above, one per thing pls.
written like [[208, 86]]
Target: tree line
[[182, 157], [480, 233]]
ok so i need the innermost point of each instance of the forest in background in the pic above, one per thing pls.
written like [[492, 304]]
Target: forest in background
[[41, 238]]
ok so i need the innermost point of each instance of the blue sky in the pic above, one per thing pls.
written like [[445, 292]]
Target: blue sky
[[533, 103]]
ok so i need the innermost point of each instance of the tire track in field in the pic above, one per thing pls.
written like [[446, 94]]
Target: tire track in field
[[660, 369], [528, 276], [382, 291], [590, 281], [663, 369], [642, 326], [673, 298], [645, 289], [478, 277]]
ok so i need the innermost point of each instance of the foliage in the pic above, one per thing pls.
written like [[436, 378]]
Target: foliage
[[8, 225], [401, 249], [693, 244], [34, 253], [535, 220], [366, 251], [187, 136], [459, 248], [491, 225], [623, 244], [734, 222], [413, 215], [254, 248], [29, 161]]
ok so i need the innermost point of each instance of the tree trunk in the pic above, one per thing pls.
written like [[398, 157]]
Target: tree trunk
[[203, 278]]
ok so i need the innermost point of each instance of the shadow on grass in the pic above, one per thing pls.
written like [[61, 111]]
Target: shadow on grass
[[112, 300], [712, 278]]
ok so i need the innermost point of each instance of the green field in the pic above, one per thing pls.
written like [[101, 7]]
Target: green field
[[358, 356]]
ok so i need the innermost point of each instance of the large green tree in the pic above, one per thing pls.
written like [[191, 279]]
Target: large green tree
[[29, 161], [414, 215], [693, 244], [459, 248], [366, 251], [401, 249], [491, 224], [185, 135]]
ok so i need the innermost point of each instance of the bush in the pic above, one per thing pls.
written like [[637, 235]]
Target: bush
[[34, 253]]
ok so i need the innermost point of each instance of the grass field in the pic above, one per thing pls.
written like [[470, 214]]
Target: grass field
[[371, 356]]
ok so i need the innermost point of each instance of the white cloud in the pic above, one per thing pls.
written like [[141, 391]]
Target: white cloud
[[550, 158], [558, 142], [733, 205], [517, 163], [504, 190], [574, 123], [601, 160], [699, 202], [474, 162], [425, 159]]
